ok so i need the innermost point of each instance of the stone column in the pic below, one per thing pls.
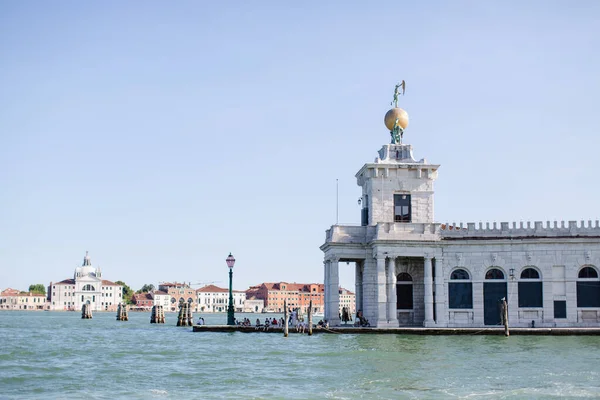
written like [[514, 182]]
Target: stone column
[[326, 295], [512, 300], [381, 291], [369, 290], [334, 290], [358, 281], [392, 316], [428, 297], [440, 294]]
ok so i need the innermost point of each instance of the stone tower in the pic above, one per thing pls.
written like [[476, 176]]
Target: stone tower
[[396, 187]]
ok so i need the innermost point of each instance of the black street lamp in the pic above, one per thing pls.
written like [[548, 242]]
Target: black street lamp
[[230, 310]]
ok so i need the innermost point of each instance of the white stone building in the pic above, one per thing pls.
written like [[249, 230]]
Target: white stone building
[[410, 270], [253, 305], [348, 300], [86, 287], [11, 299], [212, 298], [162, 299]]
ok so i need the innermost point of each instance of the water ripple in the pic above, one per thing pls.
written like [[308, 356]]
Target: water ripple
[[57, 355]]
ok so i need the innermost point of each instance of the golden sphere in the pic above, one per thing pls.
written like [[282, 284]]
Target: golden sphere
[[390, 118]]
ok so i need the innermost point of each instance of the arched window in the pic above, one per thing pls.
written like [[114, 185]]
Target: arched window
[[88, 288], [460, 289], [190, 301], [494, 273], [404, 291], [588, 287], [530, 273], [404, 277], [530, 289], [459, 274], [587, 272]]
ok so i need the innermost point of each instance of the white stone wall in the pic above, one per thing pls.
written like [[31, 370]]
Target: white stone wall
[[558, 262], [211, 302], [67, 296]]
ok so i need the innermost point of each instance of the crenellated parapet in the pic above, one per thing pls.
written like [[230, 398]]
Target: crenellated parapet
[[349, 234], [521, 229]]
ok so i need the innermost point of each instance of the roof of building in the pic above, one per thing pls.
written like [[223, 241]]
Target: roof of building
[[65, 282], [174, 284], [143, 296], [16, 293], [216, 289], [289, 287], [160, 293], [72, 282]]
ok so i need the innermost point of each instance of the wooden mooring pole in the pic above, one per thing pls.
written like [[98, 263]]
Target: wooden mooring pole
[[190, 317], [86, 311], [122, 312], [158, 315], [310, 318], [285, 319], [504, 316], [182, 317]]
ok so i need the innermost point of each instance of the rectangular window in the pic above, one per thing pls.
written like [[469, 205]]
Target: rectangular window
[[402, 208], [588, 294], [404, 297], [560, 309], [530, 294], [460, 295]]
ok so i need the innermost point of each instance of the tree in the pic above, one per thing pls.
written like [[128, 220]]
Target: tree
[[127, 292], [146, 288], [38, 288]]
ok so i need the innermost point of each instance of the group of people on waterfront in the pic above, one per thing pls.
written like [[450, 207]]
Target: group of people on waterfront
[[294, 322], [269, 323], [244, 322]]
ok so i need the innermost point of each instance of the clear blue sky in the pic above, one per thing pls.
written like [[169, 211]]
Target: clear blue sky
[[160, 136]]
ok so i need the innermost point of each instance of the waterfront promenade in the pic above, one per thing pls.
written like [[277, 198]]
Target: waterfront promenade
[[407, 330]]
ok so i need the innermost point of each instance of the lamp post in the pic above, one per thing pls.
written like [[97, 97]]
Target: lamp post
[[230, 310]]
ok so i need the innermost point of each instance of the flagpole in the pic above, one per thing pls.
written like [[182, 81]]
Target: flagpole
[[337, 202]]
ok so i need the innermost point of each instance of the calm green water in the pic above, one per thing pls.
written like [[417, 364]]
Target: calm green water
[[57, 355]]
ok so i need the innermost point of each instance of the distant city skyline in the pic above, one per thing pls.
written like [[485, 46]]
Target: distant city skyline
[[161, 138]]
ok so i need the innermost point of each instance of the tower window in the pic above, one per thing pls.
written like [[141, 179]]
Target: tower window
[[402, 208]]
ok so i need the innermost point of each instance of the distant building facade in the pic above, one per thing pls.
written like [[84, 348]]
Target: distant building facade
[[348, 300], [253, 305], [143, 301], [179, 292], [212, 298], [12, 299], [162, 299], [86, 287], [297, 295]]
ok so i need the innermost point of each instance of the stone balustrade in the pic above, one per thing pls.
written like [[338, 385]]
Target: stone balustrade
[[349, 234], [353, 234], [521, 229]]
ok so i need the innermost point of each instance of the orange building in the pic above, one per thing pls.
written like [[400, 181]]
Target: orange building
[[180, 292], [298, 295]]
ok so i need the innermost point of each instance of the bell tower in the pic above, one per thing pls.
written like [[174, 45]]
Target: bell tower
[[395, 187]]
